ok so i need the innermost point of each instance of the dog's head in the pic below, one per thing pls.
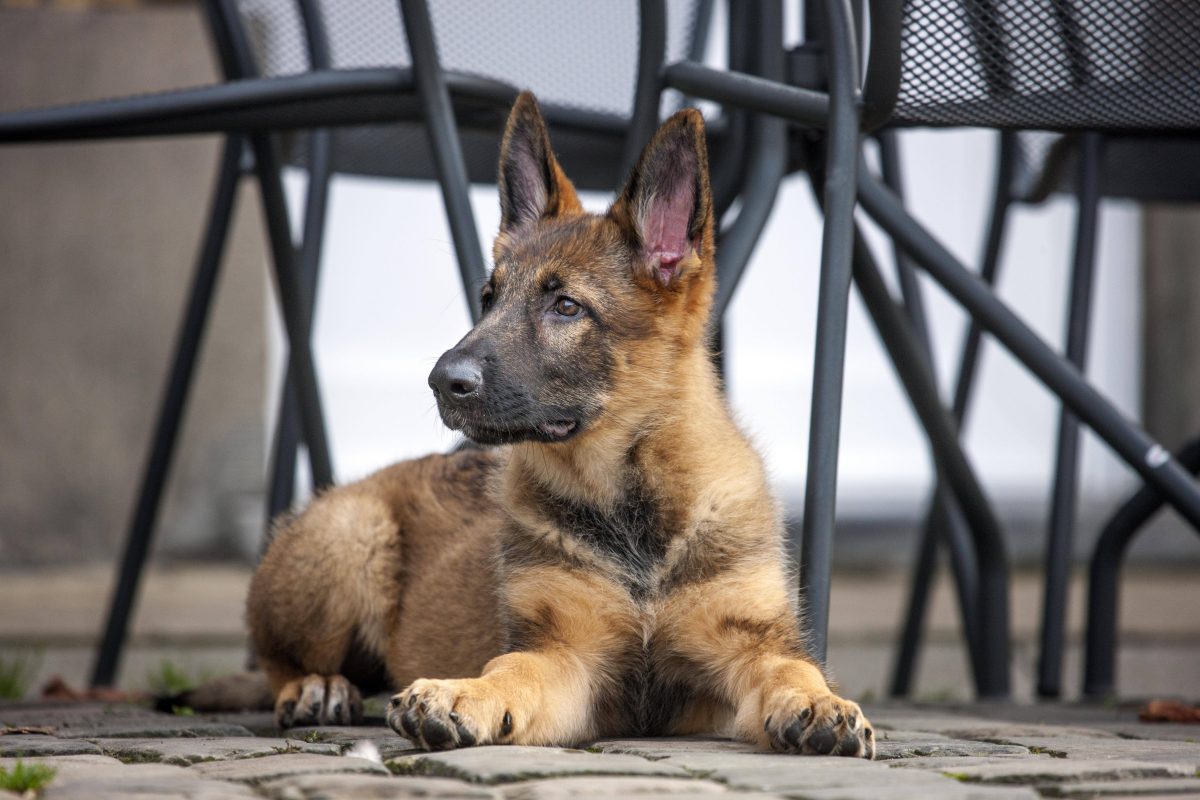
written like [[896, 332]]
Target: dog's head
[[585, 316]]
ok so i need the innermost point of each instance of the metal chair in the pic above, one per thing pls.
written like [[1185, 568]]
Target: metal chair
[[330, 93], [304, 65], [1018, 65]]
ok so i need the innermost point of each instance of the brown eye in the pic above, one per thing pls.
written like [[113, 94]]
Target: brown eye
[[566, 307]]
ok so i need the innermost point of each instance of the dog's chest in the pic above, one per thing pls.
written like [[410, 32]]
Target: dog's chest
[[632, 535]]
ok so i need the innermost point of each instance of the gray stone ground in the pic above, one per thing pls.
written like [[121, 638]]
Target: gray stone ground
[[999, 752]]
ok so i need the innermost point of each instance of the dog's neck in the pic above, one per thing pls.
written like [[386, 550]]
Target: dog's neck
[[630, 446]]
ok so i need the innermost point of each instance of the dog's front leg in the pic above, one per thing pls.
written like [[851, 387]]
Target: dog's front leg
[[567, 628], [740, 632]]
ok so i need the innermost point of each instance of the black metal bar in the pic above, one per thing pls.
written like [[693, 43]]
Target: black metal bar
[[1006, 167], [963, 557], [1099, 677], [833, 295], [281, 485], [647, 89], [170, 415], [916, 375], [1149, 458], [447, 150], [1066, 471], [281, 481], [762, 176], [739, 90], [294, 306]]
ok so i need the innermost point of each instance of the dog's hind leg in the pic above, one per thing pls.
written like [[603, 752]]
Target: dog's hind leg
[[322, 598]]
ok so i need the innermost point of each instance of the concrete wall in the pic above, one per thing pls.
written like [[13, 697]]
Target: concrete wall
[[97, 243]]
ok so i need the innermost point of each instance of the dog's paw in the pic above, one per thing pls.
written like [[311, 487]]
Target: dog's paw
[[826, 724], [318, 700], [445, 714]]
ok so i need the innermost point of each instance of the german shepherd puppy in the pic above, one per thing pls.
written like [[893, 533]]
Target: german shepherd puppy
[[610, 563]]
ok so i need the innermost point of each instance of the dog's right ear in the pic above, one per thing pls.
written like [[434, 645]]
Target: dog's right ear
[[532, 184]]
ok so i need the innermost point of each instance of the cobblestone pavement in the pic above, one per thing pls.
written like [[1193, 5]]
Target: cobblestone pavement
[[997, 752]]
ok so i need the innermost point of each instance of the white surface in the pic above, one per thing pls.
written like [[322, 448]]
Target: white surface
[[390, 303]]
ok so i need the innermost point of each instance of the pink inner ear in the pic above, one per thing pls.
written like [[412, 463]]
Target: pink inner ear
[[665, 230]]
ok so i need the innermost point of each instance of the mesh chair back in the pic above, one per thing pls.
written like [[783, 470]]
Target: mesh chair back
[[571, 53], [1109, 65]]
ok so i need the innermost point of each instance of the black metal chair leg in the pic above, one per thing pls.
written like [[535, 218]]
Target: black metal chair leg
[[294, 305], [1134, 446], [170, 415], [1066, 471], [447, 151], [281, 487], [1099, 677], [914, 616], [913, 369], [942, 518], [820, 495]]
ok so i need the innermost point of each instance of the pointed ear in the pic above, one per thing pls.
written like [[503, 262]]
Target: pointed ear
[[532, 185], [666, 207]]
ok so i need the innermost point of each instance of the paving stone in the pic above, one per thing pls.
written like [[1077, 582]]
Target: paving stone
[[122, 788], [950, 763], [386, 741], [672, 788], [951, 790], [26, 745], [93, 776], [270, 768], [1063, 770], [897, 744], [507, 764], [1165, 731], [1170, 752], [187, 751], [97, 720], [793, 773], [372, 787], [664, 747], [1153, 787], [978, 728]]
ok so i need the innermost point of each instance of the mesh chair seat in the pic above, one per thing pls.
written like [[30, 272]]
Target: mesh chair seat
[[580, 59], [1107, 65]]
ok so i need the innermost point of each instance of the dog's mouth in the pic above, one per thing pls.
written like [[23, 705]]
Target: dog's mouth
[[489, 433]]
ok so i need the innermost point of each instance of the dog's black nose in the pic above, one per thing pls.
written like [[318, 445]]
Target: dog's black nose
[[456, 377]]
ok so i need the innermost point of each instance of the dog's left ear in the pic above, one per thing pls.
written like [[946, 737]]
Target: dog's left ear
[[532, 184], [666, 207]]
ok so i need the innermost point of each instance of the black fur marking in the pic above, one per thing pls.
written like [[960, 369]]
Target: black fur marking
[[633, 534], [644, 698]]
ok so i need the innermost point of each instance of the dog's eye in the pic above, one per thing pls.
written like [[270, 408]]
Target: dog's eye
[[486, 297], [566, 307]]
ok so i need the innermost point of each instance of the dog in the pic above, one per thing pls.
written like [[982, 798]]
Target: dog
[[608, 561]]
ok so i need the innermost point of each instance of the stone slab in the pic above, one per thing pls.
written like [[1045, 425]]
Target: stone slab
[[26, 745], [386, 741], [623, 787], [124, 788], [96, 720], [1152, 787], [1066, 770], [372, 787], [1171, 752], [664, 747], [897, 744], [951, 790], [270, 768], [185, 751], [793, 774], [104, 777], [508, 764]]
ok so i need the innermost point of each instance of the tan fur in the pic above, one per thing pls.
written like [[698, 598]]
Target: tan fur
[[506, 624]]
